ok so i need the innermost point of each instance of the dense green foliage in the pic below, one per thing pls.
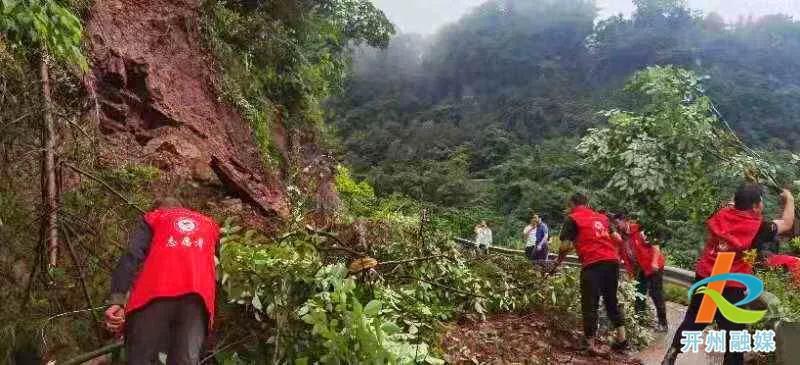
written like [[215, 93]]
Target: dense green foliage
[[279, 59], [508, 90], [34, 25], [311, 308], [667, 159]]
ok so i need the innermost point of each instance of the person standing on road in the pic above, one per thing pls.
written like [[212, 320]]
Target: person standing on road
[[588, 232], [483, 236], [169, 271], [645, 262], [737, 229], [536, 236]]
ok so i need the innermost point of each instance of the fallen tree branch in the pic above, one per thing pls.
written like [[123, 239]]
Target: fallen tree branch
[[80, 359], [398, 262], [211, 356], [340, 246], [449, 288], [105, 184], [6, 125], [345, 249], [332, 236]]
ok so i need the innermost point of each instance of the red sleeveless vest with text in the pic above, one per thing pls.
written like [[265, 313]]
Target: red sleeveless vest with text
[[735, 228], [594, 243], [644, 251], [180, 260]]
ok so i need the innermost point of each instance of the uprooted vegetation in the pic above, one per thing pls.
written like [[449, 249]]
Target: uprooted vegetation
[[320, 297]]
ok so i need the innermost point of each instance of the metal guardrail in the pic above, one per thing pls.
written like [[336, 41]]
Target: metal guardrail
[[674, 275]]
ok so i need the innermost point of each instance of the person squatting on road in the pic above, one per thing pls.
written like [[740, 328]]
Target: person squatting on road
[[169, 271], [736, 228], [536, 236], [645, 263], [589, 232]]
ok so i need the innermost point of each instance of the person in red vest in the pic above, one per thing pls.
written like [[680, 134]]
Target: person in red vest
[[169, 271], [645, 263], [736, 228], [598, 250]]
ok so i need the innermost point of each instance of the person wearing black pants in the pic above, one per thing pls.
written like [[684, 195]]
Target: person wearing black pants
[[653, 285], [731, 294], [589, 233], [174, 326], [599, 280], [736, 228], [645, 262]]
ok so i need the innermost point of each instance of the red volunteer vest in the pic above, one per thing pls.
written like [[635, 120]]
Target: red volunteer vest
[[737, 229], [180, 260], [594, 243], [644, 251]]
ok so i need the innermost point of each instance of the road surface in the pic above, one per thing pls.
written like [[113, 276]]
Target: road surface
[[655, 353]]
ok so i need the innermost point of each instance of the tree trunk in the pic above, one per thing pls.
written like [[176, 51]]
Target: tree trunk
[[49, 194]]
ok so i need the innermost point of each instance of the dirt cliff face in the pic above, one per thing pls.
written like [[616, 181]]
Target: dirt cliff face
[[156, 101]]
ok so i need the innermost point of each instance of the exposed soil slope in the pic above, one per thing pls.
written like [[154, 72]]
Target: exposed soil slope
[[156, 101]]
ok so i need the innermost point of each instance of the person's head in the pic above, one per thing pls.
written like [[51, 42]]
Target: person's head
[[577, 199], [621, 222], [748, 197], [535, 220], [167, 202]]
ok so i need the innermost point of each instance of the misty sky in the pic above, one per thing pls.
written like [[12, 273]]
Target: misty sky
[[426, 16]]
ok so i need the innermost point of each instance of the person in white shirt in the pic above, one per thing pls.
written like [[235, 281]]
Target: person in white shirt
[[483, 236], [536, 236]]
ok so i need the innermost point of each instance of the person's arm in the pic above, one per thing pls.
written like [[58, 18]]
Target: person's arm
[[569, 233], [786, 222], [128, 265], [124, 274]]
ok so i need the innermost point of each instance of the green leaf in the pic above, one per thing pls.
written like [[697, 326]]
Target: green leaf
[[373, 308], [390, 328]]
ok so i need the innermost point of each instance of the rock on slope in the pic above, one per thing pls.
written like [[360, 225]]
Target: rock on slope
[[156, 101]]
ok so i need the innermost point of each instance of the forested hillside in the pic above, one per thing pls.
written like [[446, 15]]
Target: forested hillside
[[342, 162], [486, 113]]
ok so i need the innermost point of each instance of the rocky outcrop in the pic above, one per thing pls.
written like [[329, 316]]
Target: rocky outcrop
[[156, 101]]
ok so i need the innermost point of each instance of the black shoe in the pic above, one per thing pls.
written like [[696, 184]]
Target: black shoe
[[670, 356], [620, 346]]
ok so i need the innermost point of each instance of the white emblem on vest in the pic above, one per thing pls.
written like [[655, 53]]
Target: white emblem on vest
[[186, 225]]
